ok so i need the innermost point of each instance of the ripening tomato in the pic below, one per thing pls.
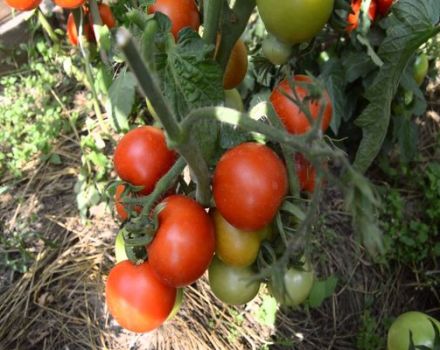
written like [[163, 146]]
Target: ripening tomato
[[182, 14], [249, 184], [106, 15], [420, 326], [232, 285], [295, 21], [298, 284], [290, 114], [69, 4], [184, 243], [72, 32], [142, 157], [306, 173], [23, 5], [120, 209], [236, 247], [136, 298], [353, 17], [383, 6], [276, 51], [237, 66]]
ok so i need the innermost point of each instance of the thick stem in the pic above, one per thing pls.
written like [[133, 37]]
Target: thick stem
[[211, 19], [148, 86], [234, 24]]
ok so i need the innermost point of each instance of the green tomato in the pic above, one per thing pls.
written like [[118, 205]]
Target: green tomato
[[233, 100], [276, 51], [232, 285], [120, 253], [416, 322], [295, 21], [420, 69], [298, 284]]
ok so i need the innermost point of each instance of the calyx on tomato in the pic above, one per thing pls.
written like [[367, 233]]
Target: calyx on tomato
[[294, 120]]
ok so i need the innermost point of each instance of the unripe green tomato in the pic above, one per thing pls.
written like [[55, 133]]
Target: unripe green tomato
[[416, 322], [232, 285], [177, 304], [298, 284], [276, 51], [295, 21], [233, 100], [420, 70], [120, 248]]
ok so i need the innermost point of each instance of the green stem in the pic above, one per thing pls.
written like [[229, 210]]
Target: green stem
[[212, 12], [46, 26], [234, 24]]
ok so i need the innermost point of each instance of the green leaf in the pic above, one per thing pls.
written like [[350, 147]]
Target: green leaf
[[120, 100], [357, 65], [322, 290], [413, 23]]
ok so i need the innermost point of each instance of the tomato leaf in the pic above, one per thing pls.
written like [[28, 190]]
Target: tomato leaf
[[413, 23], [322, 290], [120, 100]]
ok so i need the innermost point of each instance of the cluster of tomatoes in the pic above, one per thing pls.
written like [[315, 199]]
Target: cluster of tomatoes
[[376, 6]]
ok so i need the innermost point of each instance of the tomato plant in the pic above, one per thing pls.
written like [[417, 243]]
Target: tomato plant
[[416, 322], [69, 4], [142, 157], [234, 246], [353, 17], [136, 298], [249, 184], [276, 51], [232, 285], [290, 114], [23, 5], [237, 66], [420, 70], [294, 21], [298, 284], [184, 242], [182, 14]]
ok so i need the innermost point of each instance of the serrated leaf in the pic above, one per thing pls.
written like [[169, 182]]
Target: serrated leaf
[[413, 23], [120, 100], [357, 65]]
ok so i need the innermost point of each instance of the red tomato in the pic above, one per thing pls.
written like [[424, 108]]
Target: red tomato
[[249, 184], [383, 6], [306, 173], [237, 66], [184, 244], [142, 157], [106, 15], [290, 114], [120, 209], [136, 298], [353, 17], [182, 14], [23, 5], [69, 4]]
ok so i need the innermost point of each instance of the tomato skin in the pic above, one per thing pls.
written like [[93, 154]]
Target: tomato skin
[[421, 67], [306, 173], [184, 244], [353, 17], [23, 5], [295, 21], [418, 323], [294, 120], [231, 284], [136, 298], [249, 184], [233, 100], [383, 6], [298, 285], [276, 51], [142, 157], [69, 4], [182, 14], [236, 247], [237, 66]]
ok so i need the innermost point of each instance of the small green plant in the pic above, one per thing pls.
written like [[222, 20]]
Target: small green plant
[[367, 337]]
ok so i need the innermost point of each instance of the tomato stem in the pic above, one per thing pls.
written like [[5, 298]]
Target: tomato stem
[[211, 19]]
